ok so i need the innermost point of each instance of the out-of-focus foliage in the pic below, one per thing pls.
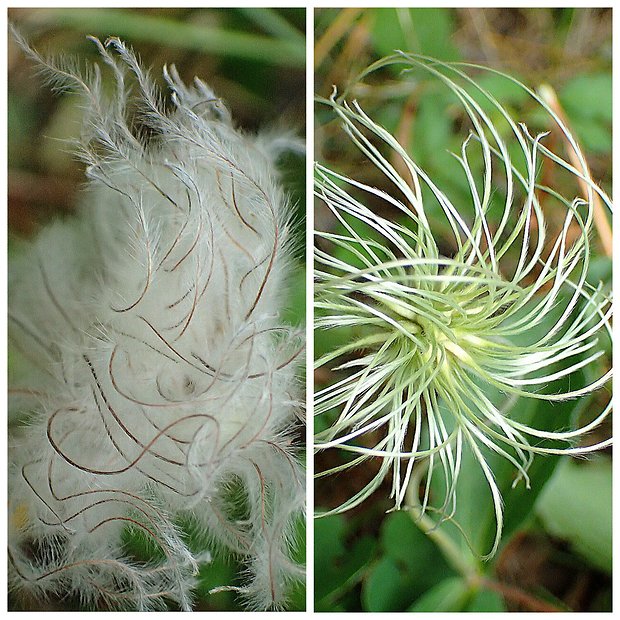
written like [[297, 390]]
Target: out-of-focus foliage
[[557, 532], [579, 495]]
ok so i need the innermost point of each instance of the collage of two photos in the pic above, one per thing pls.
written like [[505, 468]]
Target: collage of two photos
[[327, 338]]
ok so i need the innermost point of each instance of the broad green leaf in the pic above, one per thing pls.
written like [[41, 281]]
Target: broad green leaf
[[594, 135], [387, 587], [337, 565], [326, 340], [410, 566], [449, 595], [501, 88], [600, 270], [486, 601], [588, 96], [425, 31], [576, 506], [431, 131]]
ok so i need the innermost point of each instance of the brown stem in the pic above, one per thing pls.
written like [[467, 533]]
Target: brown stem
[[601, 221], [334, 33], [516, 595]]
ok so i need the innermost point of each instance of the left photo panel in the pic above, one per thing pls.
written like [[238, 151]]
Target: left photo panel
[[156, 309]]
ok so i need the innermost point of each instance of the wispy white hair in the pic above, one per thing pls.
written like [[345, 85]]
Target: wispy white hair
[[160, 382]]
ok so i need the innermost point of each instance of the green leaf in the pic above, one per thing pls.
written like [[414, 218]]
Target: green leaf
[[449, 595], [576, 506], [486, 601], [326, 340], [425, 31], [209, 40], [588, 96], [600, 270], [506, 91], [387, 587], [411, 566], [594, 135], [337, 566], [475, 512], [273, 23], [431, 131]]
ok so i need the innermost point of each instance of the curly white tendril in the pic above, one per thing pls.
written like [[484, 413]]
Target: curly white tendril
[[440, 346]]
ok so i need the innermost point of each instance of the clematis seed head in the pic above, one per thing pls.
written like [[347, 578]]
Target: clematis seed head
[[450, 312], [160, 382]]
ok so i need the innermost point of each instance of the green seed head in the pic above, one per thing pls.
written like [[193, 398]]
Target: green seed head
[[450, 312]]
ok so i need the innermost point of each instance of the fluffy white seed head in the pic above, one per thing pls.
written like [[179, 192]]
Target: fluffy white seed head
[[161, 380]]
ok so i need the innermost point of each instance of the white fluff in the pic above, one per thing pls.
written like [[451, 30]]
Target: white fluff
[[159, 374]]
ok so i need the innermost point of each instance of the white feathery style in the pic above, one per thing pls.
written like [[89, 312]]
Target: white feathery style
[[161, 382], [447, 312]]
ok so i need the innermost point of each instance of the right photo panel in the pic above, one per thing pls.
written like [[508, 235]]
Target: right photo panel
[[462, 310]]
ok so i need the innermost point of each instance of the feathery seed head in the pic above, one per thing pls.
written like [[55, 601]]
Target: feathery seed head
[[159, 372], [450, 312]]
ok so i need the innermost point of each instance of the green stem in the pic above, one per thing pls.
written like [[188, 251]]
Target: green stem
[[207, 39], [468, 569], [453, 554], [449, 549], [273, 23]]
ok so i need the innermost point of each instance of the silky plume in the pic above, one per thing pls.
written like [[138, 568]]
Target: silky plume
[[158, 382]]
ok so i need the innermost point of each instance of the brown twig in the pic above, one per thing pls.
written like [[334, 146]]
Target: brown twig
[[356, 40], [516, 595], [601, 222], [334, 33]]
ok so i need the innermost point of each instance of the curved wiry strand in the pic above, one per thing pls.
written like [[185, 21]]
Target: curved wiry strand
[[444, 345], [163, 373]]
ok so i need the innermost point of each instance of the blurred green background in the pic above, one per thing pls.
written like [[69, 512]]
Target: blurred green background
[[556, 551], [254, 59]]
